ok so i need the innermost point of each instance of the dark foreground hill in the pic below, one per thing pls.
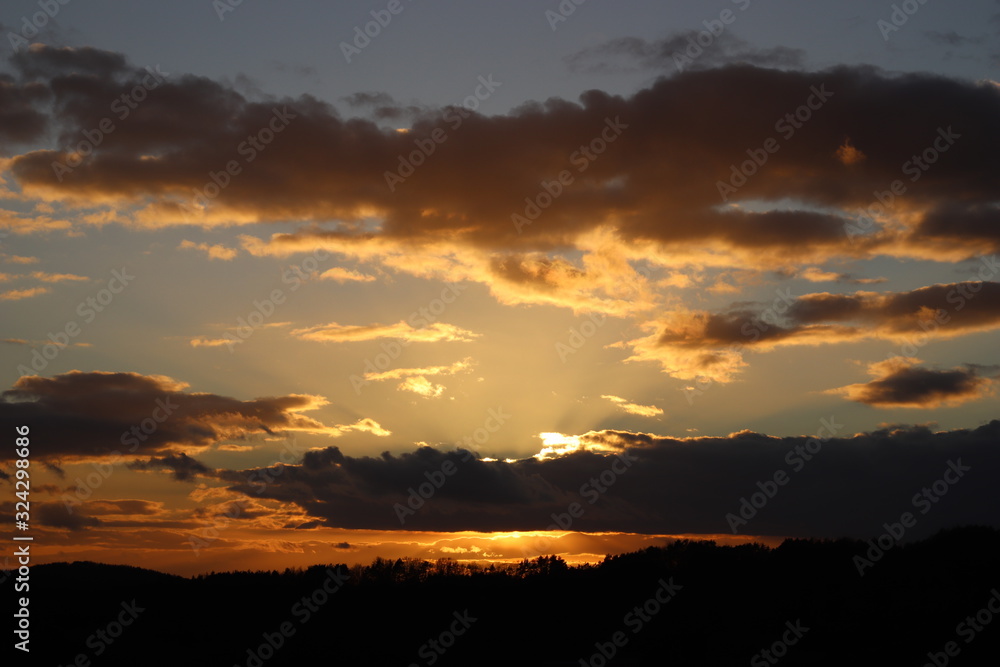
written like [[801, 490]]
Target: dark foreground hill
[[688, 603]]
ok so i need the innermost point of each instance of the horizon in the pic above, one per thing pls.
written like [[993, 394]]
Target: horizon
[[286, 285]]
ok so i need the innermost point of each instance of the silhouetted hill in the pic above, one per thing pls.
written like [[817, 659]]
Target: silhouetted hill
[[686, 603], [97, 575]]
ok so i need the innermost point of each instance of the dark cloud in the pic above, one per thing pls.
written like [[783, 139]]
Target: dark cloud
[[950, 309], [848, 485], [21, 117], [308, 525], [657, 183], [669, 52], [298, 69], [690, 344], [59, 515], [951, 38], [113, 507], [48, 61], [902, 383], [952, 222], [374, 99], [53, 467], [100, 414], [184, 467]]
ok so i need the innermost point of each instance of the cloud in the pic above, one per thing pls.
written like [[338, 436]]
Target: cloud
[[18, 294], [400, 373], [415, 380], [816, 275], [691, 344], [847, 486], [556, 445], [342, 275], [367, 425], [370, 99], [629, 53], [217, 251], [339, 333], [901, 383], [57, 277], [951, 38], [38, 290], [654, 187], [184, 467], [60, 515], [19, 259], [209, 342], [21, 118], [103, 415], [232, 337], [127, 507], [422, 386], [633, 408], [848, 154]]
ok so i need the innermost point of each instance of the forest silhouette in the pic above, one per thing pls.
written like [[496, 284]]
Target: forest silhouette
[[804, 602]]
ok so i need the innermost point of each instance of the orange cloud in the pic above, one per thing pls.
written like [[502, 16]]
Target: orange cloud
[[18, 294], [634, 408], [339, 333], [342, 275], [216, 251]]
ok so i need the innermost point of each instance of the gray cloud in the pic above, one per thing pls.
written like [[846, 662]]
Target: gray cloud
[[101, 414], [626, 53], [848, 486], [903, 383]]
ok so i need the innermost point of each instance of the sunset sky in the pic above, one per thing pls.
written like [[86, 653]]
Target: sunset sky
[[636, 258]]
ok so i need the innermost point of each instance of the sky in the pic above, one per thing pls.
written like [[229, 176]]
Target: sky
[[295, 283]]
